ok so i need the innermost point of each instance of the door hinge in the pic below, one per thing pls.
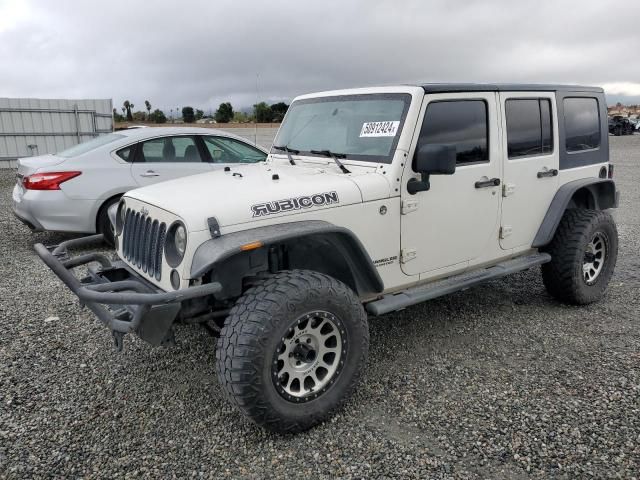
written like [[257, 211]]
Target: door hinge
[[505, 231], [508, 189], [408, 206], [407, 254]]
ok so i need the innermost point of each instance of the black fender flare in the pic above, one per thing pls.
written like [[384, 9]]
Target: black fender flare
[[332, 243], [601, 194]]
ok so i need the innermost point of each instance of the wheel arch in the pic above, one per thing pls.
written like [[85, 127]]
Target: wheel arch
[[587, 193], [308, 245], [103, 206]]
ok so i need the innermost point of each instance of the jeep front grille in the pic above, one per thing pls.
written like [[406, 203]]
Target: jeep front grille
[[143, 242]]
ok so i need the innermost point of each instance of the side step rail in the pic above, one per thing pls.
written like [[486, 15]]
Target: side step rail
[[412, 296]]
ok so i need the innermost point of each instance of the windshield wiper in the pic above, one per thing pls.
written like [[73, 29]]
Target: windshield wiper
[[336, 158], [285, 148]]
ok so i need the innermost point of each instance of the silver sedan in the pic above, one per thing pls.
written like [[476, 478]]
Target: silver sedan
[[71, 191]]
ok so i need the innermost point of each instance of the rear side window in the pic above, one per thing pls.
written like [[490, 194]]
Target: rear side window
[[169, 150], [460, 123], [529, 130], [125, 153], [581, 123]]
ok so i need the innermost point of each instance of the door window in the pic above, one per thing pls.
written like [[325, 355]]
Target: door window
[[230, 150], [460, 123], [169, 150], [529, 131]]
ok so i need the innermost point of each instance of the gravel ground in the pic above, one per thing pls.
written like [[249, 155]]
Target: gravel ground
[[499, 381]]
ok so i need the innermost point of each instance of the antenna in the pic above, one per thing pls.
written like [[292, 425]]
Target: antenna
[[255, 131]]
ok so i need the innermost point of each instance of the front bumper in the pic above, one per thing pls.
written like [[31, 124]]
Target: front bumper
[[121, 299]]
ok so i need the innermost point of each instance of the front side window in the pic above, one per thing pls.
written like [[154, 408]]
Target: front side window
[[169, 150], [230, 150], [460, 123], [529, 130], [360, 127], [581, 123]]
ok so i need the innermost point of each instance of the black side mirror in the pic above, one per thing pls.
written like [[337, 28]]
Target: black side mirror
[[432, 159]]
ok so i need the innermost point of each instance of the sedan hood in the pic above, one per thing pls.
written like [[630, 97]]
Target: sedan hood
[[29, 165], [261, 191]]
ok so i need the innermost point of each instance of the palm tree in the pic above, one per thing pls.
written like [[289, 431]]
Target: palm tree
[[148, 105], [128, 107]]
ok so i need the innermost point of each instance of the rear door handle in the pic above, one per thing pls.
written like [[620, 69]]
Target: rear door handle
[[492, 182], [149, 173], [548, 173]]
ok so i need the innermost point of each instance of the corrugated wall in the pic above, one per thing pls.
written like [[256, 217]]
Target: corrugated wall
[[33, 126]]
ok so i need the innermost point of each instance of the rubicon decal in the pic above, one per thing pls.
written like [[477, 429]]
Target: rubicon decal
[[297, 203]]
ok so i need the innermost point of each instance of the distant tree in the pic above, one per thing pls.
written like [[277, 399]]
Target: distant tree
[[148, 107], [157, 116], [199, 114], [263, 112], [278, 110], [139, 116], [123, 111], [128, 107], [188, 116], [116, 116], [224, 114], [240, 117]]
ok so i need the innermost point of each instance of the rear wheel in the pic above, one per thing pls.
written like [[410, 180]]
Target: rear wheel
[[103, 224], [293, 349], [583, 252]]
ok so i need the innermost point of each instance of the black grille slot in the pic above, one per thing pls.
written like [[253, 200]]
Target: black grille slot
[[143, 243]]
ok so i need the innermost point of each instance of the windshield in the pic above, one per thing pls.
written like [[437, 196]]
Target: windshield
[[90, 145], [360, 127]]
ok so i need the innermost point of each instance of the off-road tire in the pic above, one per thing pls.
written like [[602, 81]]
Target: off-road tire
[[255, 327], [563, 276], [103, 224]]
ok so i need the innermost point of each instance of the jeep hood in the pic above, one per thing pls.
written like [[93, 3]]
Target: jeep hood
[[248, 193]]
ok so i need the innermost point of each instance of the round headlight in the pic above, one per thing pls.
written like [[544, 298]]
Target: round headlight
[[175, 244], [120, 217], [180, 239]]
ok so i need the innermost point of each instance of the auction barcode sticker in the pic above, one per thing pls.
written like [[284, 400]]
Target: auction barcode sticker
[[379, 129]]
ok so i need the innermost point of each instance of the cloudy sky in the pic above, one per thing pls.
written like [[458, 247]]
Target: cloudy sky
[[200, 53]]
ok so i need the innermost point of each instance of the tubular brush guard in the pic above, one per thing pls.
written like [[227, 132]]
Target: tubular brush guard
[[122, 300]]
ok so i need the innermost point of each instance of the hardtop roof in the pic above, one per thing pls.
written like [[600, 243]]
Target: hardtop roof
[[504, 87]]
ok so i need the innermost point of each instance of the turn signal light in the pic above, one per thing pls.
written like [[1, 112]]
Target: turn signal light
[[47, 180], [610, 170], [250, 246]]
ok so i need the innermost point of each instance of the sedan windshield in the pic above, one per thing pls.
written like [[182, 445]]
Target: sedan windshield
[[355, 127], [90, 145]]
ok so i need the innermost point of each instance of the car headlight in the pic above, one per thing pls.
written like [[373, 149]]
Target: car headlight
[[180, 239], [175, 244]]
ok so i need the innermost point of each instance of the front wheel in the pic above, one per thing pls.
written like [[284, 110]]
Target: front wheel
[[293, 349], [583, 252]]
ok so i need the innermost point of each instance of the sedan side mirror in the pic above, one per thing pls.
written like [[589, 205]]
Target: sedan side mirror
[[432, 159]]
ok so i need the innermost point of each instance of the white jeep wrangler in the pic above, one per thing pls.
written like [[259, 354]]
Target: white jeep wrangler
[[370, 201]]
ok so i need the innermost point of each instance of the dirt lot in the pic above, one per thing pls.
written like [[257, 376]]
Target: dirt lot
[[499, 381]]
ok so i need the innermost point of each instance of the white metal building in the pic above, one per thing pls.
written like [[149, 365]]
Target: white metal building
[[32, 126]]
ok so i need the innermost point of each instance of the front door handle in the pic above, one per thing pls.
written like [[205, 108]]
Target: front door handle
[[548, 173], [492, 182], [149, 173]]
